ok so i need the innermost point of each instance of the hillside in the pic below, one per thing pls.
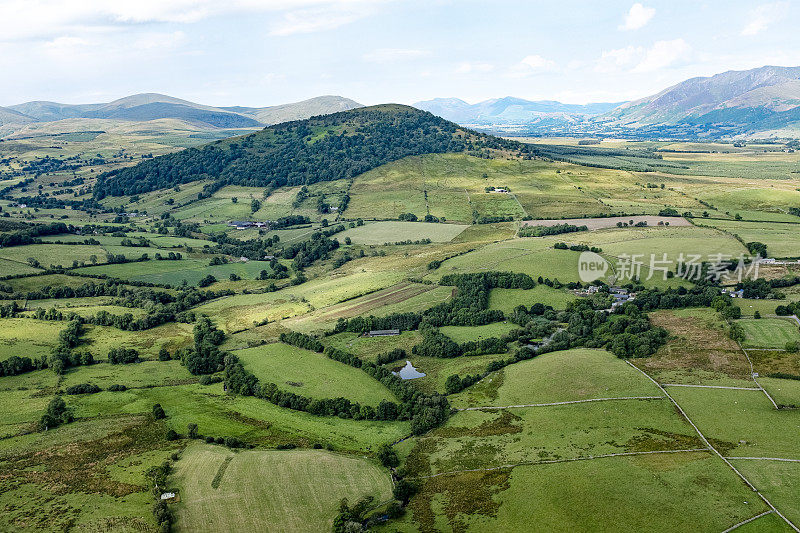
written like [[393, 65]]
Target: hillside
[[321, 105], [11, 116], [509, 110], [153, 106], [733, 102], [323, 148]]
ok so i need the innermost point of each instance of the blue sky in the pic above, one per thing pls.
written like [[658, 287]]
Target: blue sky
[[266, 52]]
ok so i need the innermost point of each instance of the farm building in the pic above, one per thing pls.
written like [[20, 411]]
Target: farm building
[[382, 333]]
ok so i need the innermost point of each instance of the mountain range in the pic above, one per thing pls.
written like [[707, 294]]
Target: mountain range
[[153, 106], [510, 110], [761, 102]]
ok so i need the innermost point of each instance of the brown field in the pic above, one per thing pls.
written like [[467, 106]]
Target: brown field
[[699, 350], [609, 222]]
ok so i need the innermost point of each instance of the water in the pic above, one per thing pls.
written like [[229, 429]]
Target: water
[[409, 372]]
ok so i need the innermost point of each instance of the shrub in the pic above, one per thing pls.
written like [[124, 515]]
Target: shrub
[[172, 435], [158, 412], [83, 388], [117, 388], [122, 356], [792, 347]]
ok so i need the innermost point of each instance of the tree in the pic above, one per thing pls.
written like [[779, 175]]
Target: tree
[[404, 490], [158, 412], [792, 347], [191, 431], [56, 414], [387, 456], [757, 314], [255, 205]]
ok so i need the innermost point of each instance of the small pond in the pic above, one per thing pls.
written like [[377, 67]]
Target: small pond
[[409, 372]]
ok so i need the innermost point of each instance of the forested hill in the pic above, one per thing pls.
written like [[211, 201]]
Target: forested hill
[[322, 148]]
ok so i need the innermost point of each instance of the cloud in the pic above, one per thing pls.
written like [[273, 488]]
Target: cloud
[[468, 68], [32, 19], [530, 65], [663, 54], [393, 55], [762, 16], [640, 59], [619, 59], [637, 17]]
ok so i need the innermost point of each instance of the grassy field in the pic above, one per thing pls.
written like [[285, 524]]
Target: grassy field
[[462, 334], [615, 494], [782, 240], [176, 272], [311, 374], [225, 491], [390, 232], [769, 332], [507, 299], [568, 375], [28, 338], [746, 419]]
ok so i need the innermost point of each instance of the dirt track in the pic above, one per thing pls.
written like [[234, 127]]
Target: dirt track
[[610, 222]]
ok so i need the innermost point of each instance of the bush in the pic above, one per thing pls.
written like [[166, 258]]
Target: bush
[[117, 388], [163, 354], [792, 347], [206, 281], [83, 388], [191, 431], [172, 435], [209, 380], [158, 412], [387, 456], [122, 356]]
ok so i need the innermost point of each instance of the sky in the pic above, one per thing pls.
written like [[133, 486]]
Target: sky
[[268, 52]]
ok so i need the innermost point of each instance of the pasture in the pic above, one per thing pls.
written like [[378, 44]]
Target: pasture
[[391, 232], [311, 374], [226, 491], [769, 332]]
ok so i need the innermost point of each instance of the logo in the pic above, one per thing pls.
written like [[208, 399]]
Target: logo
[[591, 267]]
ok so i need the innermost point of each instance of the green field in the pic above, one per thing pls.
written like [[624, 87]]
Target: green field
[[569, 375], [176, 272], [507, 299], [27, 338], [311, 374], [302, 494], [391, 232], [462, 334], [769, 332], [782, 240]]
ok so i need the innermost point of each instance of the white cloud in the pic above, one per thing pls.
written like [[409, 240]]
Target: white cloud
[[663, 54], [26, 19], [619, 59], [640, 59], [637, 17], [392, 55], [468, 68], [160, 41], [762, 16], [537, 62]]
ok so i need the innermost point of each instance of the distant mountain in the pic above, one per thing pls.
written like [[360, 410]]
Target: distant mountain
[[733, 103], [12, 116], [153, 106], [510, 110], [321, 105]]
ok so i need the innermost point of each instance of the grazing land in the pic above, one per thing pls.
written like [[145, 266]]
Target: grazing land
[[234, 325]]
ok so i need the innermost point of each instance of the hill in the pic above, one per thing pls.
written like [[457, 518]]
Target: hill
[[322, 148], [509, 110], [733, 102], [321, 105], [11, 116], [153, 106]]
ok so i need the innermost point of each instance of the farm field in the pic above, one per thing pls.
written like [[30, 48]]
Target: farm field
[[582, 374], [221, 490], [769, 332], [589, 418], [782, 239], [390, 232], [311, 374]]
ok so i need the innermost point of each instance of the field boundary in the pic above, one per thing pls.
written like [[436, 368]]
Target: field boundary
[[709, 386], [743, 522], [570, 402], [716, 452], [570, 460]]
